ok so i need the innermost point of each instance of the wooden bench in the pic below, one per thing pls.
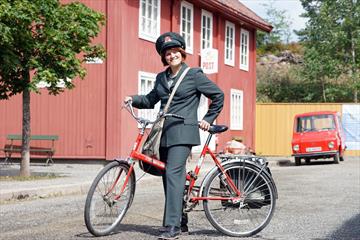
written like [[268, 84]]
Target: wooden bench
[[11, 148]]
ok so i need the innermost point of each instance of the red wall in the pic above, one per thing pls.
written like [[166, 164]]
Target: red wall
[[89, 119], [77, 116]]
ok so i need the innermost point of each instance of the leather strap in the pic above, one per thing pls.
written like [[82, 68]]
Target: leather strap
[[174, 89]]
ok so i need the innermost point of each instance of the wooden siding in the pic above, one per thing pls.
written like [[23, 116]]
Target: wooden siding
[[77, 116], [274, 126], [89, 119]]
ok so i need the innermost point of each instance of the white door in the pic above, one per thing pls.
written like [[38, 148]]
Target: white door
[[202, 110]]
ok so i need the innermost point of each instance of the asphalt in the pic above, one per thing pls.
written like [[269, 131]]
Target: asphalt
[[69, 177]]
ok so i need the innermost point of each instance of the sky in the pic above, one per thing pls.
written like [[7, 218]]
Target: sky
[[293, 8]]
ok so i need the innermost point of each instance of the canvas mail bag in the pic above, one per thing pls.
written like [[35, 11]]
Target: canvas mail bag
[[151, 146]]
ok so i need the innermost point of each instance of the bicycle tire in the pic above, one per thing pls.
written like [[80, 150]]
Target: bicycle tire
[[253, 213], [102, 212]]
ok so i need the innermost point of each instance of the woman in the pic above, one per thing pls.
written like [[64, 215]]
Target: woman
[[179, 135]]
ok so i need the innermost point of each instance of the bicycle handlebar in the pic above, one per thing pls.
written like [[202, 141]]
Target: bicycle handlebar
[[161, 115]]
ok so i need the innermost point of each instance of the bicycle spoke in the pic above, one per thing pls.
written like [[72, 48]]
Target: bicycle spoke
[[104, 208], [249, 214]]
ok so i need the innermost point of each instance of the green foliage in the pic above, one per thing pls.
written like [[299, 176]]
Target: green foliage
[[281, 28], [332, 44], [279, 47], [288, 84], [48, 39]]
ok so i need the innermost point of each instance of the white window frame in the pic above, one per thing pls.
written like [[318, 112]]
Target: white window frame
[[187, 32], [149, 78], [229, 44], [244, 49], [147, 32], [207, 15], [236, 109]]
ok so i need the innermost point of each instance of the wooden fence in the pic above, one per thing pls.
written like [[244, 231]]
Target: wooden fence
[[274, 124]]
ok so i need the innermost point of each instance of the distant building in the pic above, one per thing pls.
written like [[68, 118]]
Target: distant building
[[89, 119]]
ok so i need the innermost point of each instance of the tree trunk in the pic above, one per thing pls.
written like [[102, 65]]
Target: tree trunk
[[25, 149], [354, 70], [323, 89]]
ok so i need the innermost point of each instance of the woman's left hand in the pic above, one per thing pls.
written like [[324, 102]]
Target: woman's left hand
[[204, 125]]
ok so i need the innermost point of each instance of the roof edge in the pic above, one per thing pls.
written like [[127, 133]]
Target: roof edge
[[234, 13]]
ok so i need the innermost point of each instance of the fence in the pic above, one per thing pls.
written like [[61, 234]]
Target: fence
[[274, 124]]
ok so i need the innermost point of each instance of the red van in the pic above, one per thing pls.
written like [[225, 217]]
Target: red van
[[318, 135]]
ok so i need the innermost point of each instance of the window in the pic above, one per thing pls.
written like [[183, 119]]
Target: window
[[244, 50], [236, 109], [206, 29], [149, 19], [146, 84], [229, 44], [315, 123], [186, 27]]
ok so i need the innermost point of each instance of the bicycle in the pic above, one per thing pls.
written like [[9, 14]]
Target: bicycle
[[238, 193]]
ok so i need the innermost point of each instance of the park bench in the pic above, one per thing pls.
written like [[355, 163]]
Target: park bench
[[11, 148]]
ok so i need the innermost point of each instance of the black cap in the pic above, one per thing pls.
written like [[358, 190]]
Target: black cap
[[169, 40]]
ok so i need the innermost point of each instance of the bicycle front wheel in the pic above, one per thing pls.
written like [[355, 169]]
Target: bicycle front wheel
[[254, 210], [109, 197]]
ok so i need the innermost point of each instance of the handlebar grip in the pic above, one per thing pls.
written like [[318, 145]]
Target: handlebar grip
[[177, 116]]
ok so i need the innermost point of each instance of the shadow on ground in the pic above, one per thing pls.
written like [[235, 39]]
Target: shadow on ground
[[289, 163], [349, 230], [13, 170]]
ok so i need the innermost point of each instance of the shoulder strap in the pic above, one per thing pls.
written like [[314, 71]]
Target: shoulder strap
[[174, 89]]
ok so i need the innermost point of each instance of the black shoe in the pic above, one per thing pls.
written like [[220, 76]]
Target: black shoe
[[171, 232], [184, 229], [162, 229]]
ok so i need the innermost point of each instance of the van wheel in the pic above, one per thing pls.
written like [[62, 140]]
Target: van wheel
[[336, 158], [342, 158], [307, 160], [297, 161]]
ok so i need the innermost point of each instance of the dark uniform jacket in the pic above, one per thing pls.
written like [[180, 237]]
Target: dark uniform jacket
[[185, 103]]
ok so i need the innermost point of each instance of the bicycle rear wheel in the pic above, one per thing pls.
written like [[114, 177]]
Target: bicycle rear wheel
[[255, 209], [103, 211]]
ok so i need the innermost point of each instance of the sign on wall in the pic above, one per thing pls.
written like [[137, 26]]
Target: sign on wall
[[209, 60]]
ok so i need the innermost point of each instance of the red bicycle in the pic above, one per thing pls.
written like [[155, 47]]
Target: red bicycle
[[238, 194]]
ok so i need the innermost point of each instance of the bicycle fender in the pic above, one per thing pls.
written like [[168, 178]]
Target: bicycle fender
[[257, 167], [249, 163], [125, 162], [207, 176]]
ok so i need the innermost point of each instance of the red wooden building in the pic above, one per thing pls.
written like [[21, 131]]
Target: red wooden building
[[89, 120]]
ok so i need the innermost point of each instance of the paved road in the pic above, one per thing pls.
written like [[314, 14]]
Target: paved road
[[317, 201]]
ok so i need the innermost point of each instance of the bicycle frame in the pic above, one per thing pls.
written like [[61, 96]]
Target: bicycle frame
[[191, 177]]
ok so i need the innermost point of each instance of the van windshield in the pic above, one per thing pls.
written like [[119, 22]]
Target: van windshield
[[315, 123]]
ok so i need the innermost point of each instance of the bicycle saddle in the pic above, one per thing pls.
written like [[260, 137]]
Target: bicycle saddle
[[217, 129]]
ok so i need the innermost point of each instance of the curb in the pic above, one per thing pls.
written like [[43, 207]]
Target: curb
[[44, 192]]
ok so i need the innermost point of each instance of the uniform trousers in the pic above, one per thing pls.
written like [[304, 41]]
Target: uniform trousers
[[174, 183]]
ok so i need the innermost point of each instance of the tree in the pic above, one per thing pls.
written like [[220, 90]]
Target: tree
[[48, 41], [281, 23], [332, 44]]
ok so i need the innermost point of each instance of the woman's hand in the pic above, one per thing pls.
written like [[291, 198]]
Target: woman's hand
[[204, 125], [127, 99]]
